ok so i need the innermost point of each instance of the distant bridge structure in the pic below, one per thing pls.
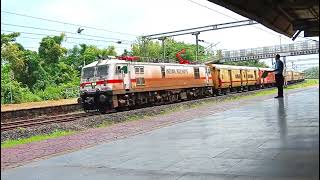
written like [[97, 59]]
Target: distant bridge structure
[[294, 49]]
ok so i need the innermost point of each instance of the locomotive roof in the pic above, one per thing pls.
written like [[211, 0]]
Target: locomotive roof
[[114, 61]]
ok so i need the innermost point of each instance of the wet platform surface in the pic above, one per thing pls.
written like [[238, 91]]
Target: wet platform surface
[[270, 139]]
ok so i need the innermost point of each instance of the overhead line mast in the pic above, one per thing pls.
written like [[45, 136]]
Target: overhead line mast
[[196, 31]]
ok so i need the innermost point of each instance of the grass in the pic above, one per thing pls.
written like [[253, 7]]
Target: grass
[[105, 123], [55, 134], [306, 83], [12, 143]]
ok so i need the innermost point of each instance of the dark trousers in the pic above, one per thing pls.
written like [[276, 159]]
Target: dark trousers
[[279, 83]]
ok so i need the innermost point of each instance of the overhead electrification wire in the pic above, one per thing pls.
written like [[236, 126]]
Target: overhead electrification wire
[[213, 10], [68, 37], [72, 42], [228, 16], [78, 25], [60, 31]]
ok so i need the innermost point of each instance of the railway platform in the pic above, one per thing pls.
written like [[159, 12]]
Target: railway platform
[[33, 105], [35, 109], [265, 139]]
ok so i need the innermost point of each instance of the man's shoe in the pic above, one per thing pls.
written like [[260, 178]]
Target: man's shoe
[[278, 97]]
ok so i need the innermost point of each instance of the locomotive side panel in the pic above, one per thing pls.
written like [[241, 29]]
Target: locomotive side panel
[[163, 77]]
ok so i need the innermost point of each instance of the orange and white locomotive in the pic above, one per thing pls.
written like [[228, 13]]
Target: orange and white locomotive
[[113, 83]]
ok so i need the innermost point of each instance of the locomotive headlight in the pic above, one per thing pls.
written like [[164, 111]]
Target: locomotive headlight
[[93, 84], [102, 98]]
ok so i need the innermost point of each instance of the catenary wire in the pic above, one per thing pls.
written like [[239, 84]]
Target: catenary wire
[[78, 25]]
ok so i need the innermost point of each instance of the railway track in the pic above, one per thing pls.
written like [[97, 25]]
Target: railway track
[[44, 120]]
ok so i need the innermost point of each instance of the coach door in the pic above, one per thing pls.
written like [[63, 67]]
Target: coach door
[[230, 77], [243, 73], [124, 75], [207, 75]]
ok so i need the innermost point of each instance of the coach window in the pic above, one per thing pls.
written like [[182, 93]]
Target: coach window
[[139, 69], [136, 70], [196, 73]]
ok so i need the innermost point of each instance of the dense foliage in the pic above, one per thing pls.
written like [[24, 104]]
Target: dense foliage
[[53, 72], [312, 73]]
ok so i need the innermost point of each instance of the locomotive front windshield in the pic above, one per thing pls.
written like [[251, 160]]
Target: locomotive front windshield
[[102, 70], [88, 73]]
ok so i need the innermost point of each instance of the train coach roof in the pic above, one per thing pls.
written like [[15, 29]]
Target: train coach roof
[[221, 66], [266, 69]]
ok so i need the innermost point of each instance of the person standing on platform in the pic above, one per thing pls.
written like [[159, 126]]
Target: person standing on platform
[[279, 76]]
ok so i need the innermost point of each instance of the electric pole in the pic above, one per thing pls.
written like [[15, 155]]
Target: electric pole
[[162, 39], [197, 44]]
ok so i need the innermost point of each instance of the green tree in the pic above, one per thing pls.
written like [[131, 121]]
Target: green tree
[[9, 85], [110, 51], [145, 48], [154, 49], [90, 54], [50, 49], [312, 73], [7, 38]]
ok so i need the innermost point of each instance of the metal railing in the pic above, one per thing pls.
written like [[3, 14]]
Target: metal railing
[[300, 48]]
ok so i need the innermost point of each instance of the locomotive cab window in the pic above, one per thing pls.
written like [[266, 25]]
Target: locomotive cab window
[[196, 73], [102, 70], [88, 72], [121, 68]]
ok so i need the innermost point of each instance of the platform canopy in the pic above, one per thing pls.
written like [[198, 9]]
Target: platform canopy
[[288, 17]]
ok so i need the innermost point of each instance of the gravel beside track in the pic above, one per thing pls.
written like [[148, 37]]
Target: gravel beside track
[[21, 154]]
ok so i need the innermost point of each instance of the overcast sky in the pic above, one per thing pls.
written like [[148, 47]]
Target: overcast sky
[[133, 18]]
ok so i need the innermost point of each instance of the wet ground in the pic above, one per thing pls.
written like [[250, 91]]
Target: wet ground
[[266, 139]]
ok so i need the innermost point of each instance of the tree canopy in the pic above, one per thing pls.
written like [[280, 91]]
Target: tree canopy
[[312, 73]]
